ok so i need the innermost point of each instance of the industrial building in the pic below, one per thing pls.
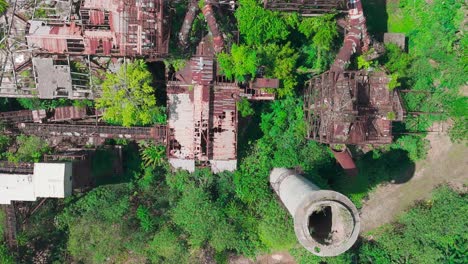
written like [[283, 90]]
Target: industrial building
[[48, 180], [66, 52], [202, 124], [106, 28], [202, 112]]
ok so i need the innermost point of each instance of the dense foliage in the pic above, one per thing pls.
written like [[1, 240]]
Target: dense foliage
[[128, 97], [244, 108], [3, 6], [240, 63], [272, 44], [434, 231], [435, 65]]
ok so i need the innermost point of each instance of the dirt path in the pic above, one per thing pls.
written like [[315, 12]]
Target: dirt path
[[446, 162]]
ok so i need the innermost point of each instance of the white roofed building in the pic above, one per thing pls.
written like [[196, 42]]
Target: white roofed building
[[49, 180]]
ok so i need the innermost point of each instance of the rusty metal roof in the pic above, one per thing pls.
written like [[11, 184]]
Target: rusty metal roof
[[202, 116], [52, 38], [69, 112], [109, 28]]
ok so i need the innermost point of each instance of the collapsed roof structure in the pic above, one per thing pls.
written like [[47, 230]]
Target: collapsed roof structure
[[202, 111], [107, 28], [58, 55], [352, 107]]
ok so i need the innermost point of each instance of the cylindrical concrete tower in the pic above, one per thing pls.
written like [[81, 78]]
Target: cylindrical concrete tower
[[325, 222]]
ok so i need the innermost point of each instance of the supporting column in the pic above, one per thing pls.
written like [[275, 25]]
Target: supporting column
[[326, 222]]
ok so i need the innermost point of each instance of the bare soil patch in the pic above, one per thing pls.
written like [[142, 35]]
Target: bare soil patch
[[274, 258], [446, 163]]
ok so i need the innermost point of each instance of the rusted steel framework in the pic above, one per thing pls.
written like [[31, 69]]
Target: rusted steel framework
[[67, 113], [209, 14], [16, 168], [59, 114], [69, 156], [156, 133], [121, 28], [344, 158], [261, 89], [306, 7], [351, 108]]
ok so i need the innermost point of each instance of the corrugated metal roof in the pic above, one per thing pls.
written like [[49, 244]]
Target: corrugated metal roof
[[96, 17], [69, 112]]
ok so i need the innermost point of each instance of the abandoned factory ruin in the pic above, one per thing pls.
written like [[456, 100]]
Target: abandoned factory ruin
[[66, 51]]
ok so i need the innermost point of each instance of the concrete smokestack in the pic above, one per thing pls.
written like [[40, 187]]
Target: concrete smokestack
[[326, 223]]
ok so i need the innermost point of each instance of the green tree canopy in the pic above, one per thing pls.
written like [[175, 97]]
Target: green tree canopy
[[128, 97], [322, 30], [280, 62], [5, 256], [258, 25], [244, 108], [241, 63]]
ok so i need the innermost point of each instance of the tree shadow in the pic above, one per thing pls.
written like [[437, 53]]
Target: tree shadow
[[393, 166], [107, 165], [248, 129], [377, 17], [158, 71]]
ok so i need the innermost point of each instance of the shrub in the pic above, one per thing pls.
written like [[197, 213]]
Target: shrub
[[244, 108], [30, 149]]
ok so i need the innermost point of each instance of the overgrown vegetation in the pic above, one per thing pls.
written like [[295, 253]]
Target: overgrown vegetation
[[3, 6], [435, 66], [36, 103], [434, 231], [276, 44], [29, 149]]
